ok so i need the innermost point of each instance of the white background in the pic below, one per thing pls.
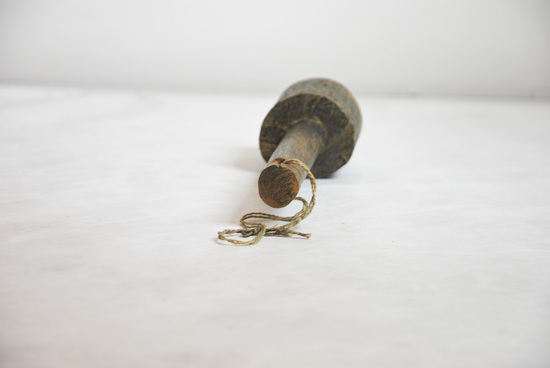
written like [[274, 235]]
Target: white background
[[430, 248], [474, 47]]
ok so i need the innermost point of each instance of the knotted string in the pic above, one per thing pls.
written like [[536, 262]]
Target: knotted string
[[259, 229]]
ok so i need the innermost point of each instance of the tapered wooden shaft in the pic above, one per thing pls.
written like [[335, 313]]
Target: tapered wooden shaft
[[279, 182], [316, 121]]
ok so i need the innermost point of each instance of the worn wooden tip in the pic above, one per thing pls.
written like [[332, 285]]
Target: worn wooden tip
[[279, 183]]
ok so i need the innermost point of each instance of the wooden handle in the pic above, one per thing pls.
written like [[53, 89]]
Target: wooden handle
[[316, 121], [279, 182]]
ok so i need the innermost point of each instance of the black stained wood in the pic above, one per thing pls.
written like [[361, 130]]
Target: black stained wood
[[316, 121]]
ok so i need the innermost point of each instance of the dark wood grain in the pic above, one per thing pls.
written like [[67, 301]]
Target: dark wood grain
[[279, 182], [316, 121]]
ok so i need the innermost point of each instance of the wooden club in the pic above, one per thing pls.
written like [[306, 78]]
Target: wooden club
[[316, 121]]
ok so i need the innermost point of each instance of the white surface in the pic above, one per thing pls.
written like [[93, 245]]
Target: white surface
[[479, 47], [429, 249]]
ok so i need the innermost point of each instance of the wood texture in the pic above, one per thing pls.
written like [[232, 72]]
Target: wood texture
[[316, 121], [279, 182]]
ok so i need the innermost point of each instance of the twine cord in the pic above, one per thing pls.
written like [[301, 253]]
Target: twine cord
[[259, 229]]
